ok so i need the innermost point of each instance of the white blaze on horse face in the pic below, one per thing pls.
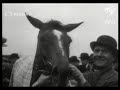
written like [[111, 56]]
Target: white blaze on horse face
[[58, 34]]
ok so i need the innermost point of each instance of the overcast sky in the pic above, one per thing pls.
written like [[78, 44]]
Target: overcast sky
[[99, 19]]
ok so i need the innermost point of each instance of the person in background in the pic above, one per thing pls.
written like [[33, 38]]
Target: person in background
[[104, 54], [91, 62], [4, 40], [7, 68], [73, 60], [85, 62], [13, 57]]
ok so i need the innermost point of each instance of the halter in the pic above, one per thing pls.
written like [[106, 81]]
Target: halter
[[49, 70], [48, 66]]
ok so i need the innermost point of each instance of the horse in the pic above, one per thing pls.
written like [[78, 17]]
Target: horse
[[51, 57]]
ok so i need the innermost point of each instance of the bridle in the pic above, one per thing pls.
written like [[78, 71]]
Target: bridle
[[48, 66], [49, 70]]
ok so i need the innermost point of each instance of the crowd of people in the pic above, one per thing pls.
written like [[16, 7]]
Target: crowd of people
[[7, 65], [85, 62], [100, 68]]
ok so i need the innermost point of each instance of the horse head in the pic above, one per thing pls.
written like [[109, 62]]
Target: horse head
[[52, 47]]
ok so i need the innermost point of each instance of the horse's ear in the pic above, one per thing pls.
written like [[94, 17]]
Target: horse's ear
[[70, 27], [35, 22]]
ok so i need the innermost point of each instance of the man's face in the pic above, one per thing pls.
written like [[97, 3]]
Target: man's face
[[84, 62], [75, 63], [102, 56]]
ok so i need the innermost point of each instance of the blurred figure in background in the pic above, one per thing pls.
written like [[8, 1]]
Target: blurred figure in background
[[105, 53], [7, 64], [85, 62], [3, 42], [91, 63], [73, 60], [13, 57]]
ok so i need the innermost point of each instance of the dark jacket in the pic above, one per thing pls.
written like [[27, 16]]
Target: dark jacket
[[83, 68], [108, 78]]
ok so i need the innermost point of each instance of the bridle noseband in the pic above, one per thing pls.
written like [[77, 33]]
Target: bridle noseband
[[48, 66]]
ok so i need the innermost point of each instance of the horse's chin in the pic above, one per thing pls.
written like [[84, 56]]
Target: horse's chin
[[56, 71]]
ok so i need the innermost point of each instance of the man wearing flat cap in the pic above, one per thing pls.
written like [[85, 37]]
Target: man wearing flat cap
[[105, 53]]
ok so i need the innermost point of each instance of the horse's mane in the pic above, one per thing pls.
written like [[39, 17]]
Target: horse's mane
[[53, 24]]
